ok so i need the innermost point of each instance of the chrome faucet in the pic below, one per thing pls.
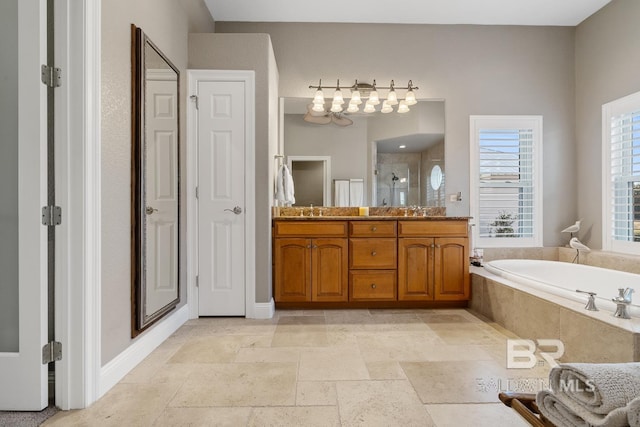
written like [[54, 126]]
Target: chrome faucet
[[591, 302], [623, 301]]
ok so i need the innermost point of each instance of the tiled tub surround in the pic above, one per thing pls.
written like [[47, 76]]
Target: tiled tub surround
[[588, 336]]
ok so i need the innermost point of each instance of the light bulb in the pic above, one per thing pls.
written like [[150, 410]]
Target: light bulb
[[392, 98], [403, 107], [410, 99], [373, 97], [337, 97], [336, 108], [319, 98], [369, 108], [318, 108], [353, 108], [355, 97], [386, 108]]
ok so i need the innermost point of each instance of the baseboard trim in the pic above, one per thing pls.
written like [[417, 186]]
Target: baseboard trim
[[123, 363], [264, 310]]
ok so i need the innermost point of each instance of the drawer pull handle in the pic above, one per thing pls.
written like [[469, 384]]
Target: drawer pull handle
[[373, 286], [374, 253], [374, 228]]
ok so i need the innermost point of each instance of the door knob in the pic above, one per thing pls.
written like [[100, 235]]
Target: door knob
[[236, 210], [149, 210]]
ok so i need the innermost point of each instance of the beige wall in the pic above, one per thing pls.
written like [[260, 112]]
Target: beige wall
[[251, 52], [607, 64], [475, 69], [347, 146], [167, 24]]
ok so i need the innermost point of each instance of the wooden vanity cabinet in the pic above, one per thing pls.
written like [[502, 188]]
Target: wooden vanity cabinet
[[373, 261], [433, 268], [369, 263], [311, 261]]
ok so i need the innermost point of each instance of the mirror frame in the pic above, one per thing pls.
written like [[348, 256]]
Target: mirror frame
[[140, 319]]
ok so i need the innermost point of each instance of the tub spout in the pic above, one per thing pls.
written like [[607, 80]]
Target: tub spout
[[591, 303]]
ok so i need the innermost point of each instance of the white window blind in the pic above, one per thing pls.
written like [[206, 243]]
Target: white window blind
[[621, 127], [506, 186]]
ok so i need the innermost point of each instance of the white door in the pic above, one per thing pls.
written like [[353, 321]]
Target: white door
[[161, 189], [221, 198], [23, 377]]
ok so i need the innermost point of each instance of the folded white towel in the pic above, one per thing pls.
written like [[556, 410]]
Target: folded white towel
[[285, 192], [563, 413], [633, 412], [597, 387]]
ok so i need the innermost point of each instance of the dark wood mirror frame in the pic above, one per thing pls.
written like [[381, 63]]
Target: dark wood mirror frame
[[140, 318]]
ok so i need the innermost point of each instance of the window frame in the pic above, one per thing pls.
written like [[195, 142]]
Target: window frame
[[506, 122], [624, 105]]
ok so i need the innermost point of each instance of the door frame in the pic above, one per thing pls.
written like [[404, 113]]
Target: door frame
[[326, 171], [248, 78], [78, 192]]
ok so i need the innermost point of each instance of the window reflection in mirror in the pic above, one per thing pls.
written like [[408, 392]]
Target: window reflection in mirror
[[369, 149]]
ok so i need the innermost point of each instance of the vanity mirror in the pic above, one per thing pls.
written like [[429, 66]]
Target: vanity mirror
[[155, 185], [394, 154]]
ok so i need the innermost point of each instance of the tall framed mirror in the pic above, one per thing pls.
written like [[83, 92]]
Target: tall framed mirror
[[155, 183]]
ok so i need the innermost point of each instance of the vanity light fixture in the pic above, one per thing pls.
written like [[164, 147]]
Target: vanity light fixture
[[392, 97], [369, 108], [410, 97], [367, 93]]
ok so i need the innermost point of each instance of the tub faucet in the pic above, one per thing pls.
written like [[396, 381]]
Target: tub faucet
[[591, 303], [623, 301]]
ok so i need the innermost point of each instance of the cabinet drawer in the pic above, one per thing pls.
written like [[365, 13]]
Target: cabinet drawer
[[372, 229], [373, 253], [374, 285], [310, 228], [432, 228]]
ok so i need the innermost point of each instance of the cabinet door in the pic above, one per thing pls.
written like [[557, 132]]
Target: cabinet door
[[329, 270], [452, 269], [292, 270], [415, 269]]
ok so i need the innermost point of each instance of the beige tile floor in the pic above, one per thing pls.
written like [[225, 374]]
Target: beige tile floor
[[320, 368]]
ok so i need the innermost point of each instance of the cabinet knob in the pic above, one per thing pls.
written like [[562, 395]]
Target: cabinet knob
[[433, 246], [373, 253], [373, 286], [315, 246], [308, 246], [374, 228]]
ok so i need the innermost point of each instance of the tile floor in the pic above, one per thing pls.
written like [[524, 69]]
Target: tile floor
[[320, 368]]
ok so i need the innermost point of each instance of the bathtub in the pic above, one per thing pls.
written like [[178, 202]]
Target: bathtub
[[563, 279]]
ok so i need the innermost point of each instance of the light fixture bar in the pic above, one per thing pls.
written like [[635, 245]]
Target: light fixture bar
[[360, 86]]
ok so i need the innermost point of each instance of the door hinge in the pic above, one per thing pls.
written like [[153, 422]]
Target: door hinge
[[195, 99], [51, 76], [51, 352], [197, 281], [197, 193], [51, 215]]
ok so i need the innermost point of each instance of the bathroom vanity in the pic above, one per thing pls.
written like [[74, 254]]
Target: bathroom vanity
[[369, 261]]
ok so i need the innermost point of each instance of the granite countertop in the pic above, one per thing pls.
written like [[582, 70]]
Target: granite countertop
[[371, 218]]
